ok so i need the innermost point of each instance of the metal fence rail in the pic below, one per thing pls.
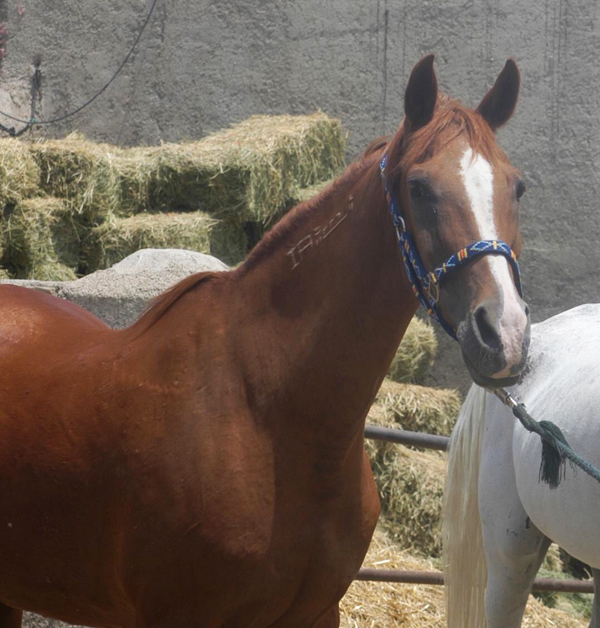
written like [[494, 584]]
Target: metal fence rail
[[437, 578], [440, 443], [404, 437]]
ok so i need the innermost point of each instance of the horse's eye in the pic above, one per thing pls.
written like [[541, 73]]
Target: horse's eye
[[520, 188], [418, 189]]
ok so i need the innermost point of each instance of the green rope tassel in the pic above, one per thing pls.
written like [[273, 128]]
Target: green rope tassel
[[555, 448], [553, 467]]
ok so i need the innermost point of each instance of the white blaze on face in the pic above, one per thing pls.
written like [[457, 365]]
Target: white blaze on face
[[478, 179]]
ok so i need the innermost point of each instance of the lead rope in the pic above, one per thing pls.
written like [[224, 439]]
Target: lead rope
[[555, 448]]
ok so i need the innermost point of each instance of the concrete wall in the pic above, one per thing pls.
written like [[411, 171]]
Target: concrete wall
[[202, 65]]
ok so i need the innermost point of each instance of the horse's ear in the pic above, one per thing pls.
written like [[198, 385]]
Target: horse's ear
[[421, 94], [499, 103]]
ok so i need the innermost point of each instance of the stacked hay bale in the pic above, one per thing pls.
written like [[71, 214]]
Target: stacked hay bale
[[81, 172], [43, 240], [119, 237], [19, 173], [216, 195], [19, 180], [245, 178], [416, 353]]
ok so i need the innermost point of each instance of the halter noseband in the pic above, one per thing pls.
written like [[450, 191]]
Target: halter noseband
[[425, 284]]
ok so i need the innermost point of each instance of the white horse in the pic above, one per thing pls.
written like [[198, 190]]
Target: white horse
[[498, 518]]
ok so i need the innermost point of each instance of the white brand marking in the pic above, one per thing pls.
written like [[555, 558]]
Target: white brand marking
[[317, 235]]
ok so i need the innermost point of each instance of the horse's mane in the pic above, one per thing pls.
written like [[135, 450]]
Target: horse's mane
[[450, 115], [302, 213], [163, 302]]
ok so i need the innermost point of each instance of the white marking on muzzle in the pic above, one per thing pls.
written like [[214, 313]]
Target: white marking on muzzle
[[478, 180]]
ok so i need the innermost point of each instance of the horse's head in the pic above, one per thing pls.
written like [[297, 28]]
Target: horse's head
[[456, 187]]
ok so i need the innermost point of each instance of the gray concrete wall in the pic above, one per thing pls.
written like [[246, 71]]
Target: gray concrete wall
[[202, 65]]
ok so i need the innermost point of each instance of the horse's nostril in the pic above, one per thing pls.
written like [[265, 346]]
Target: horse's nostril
[[527, 311], [487, 332]]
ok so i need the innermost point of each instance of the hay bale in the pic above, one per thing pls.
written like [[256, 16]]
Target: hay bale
[[119, 237], [389, 605], [139, 170], [41, 241], [249, 171], [255, 231], [82, 172], [415, 354], [229, 242], [19, 172], [410, 485], [415, 408], [305, 194]]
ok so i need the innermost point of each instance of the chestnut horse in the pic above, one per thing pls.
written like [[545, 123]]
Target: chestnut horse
[[205, 467]]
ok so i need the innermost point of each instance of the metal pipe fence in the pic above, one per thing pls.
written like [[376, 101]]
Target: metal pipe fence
[[440, 443], [437, 578], [405, 437]]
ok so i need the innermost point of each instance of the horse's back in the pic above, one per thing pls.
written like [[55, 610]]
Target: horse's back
[[48, 349], [29, 316], [562, 385], [48, 346]]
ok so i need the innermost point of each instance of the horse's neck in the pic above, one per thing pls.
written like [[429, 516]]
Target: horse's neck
[[325, 307]]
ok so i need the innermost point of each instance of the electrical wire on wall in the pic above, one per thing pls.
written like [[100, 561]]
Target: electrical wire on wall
[[136, 73], [33, 121]]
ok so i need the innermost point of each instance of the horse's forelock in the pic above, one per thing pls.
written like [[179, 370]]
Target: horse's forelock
[[450, 120]]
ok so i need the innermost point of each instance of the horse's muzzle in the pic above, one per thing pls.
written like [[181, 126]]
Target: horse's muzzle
[[494, 343]]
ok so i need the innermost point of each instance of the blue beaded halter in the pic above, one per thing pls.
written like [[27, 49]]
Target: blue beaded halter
[[425, 284]]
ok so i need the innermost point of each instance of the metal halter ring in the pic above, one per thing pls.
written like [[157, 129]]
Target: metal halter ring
[[432, 291]]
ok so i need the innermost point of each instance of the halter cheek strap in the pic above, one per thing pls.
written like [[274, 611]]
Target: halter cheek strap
[[425, 284]]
